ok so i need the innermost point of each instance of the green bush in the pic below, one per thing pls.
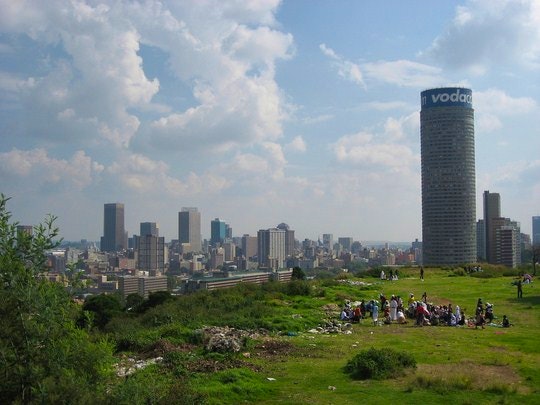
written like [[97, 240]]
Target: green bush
[[378, 364]]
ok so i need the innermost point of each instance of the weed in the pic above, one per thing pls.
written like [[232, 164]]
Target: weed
[[379, 364]]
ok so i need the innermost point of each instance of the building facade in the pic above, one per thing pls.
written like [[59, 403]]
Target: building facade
[[114, 234], [271, 248], [189, 228], [492, 210], [218, 231], [536, 231], [448, 176]]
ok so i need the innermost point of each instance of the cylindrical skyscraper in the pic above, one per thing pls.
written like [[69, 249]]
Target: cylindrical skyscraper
[[448, 177]]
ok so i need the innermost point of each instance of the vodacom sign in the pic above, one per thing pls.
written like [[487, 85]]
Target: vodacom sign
[[447, 97]]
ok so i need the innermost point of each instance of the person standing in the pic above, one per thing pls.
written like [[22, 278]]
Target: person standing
[[519, 289], [422, 273]]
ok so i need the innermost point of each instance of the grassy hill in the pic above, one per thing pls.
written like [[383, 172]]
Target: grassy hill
[[289, 365]]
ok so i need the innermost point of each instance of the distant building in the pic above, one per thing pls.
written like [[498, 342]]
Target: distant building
[[346, 243], [448, 176], [141, 285], [27, 229], [249, 246], [481, 240], [114, 237], [289, 239], [536, 231], [151, 254], [508, 246], [189, 228], [218, 231], [492, 211], [328, 241], [149, 228], [271, 248]]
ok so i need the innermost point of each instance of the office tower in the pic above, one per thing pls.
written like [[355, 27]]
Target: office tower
[[151, 257], [508, 244], [481, 240], [189, 228], [536, 231], [448, 176], [249, 246], [346, 243], [149, 228], [271, 248], [229, 250], [328, 241], [26, 229], [492, 210], [114, 235], [217, 231], [289, 239]]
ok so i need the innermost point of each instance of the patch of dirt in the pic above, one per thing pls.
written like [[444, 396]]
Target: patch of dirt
[[271, 348], [212, 366], [482, 377], [162, 346]]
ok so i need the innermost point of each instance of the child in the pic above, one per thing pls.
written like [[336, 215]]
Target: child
[[505, 322]]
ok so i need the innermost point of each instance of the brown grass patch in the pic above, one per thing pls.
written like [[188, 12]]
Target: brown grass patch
[[467, 375]]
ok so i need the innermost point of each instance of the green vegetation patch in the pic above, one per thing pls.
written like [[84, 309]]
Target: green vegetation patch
[[379, 364]]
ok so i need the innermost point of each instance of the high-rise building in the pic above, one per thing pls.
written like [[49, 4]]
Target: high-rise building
[[328, 241], [271, 248], [536, 231], [492, 210], [149, 228], [448, 176], [189, 228], [114, 235], [346, 243], [508, 246], [289, 239], [481, 240], [218, 231], [151, 254], [249, 246]]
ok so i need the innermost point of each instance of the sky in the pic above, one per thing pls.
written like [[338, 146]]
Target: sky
[[258, 111]]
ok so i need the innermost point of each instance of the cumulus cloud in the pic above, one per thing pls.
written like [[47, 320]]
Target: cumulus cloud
[[297, 145], [141, 175], [494, 104], [38, 167], [362, 150], [488, 33]]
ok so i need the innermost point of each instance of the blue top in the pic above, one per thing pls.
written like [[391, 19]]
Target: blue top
[[447, 97]]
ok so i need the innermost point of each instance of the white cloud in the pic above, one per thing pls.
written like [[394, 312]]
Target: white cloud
[[403, 73], [362, 150], [38, 167], [486, 33], [346, 69], [494, 104], [297, 145]]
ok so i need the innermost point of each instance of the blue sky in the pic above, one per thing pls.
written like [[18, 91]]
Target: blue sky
[[258, 112]]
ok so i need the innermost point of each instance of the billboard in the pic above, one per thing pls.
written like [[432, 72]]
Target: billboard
[[447, 97]]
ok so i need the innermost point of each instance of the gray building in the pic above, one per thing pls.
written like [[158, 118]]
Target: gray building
[[271, 248], [114, 237], [536, 231], [448, 176], [189, 228], [492, 211]]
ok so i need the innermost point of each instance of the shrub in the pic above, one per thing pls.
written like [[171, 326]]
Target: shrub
[[378, 364]]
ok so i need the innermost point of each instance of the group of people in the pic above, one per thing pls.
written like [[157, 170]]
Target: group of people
[[423, 313], [392, 275]]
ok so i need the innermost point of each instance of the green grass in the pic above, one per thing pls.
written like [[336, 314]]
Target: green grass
[[455, 365]]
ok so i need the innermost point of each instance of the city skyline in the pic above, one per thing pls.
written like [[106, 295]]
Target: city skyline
[[259, 113]]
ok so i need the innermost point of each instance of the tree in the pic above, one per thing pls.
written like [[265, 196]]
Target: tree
[[44, 357], [104, 307], [298, 274]]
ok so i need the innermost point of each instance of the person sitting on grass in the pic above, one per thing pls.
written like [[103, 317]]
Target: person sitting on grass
[[480, 320], [400, 317], [505, 322]]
